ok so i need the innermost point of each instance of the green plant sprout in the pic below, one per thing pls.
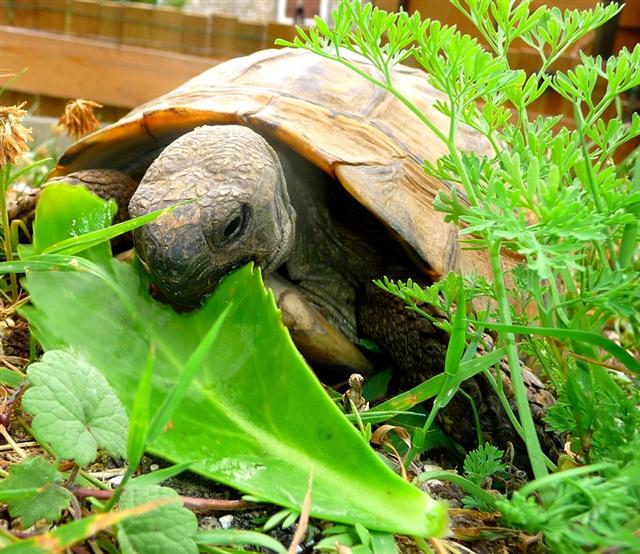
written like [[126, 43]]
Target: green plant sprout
[[552, 195], [540, 193]]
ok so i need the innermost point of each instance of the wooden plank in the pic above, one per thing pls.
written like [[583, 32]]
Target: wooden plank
[[630, 16], [626, 37], [85, 18], [50, 106], [195, 33], [136, 24], [25, 13], [166, 28], [387, 5], [279, 30], [110, 21], [124, 76], [250, 37], [4, 12], [222, 36], [53, 15]]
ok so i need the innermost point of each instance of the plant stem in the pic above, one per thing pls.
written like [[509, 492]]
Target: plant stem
[[465, 484], [519, 390], [422, 545], [628, 243], [6, 229], [119, 489]]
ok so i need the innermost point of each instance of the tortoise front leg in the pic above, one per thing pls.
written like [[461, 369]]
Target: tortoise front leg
[[107, 184]]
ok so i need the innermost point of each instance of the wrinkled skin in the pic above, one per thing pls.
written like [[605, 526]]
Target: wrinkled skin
[[237, 210]]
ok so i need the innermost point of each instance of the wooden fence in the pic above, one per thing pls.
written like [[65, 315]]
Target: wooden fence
[[215, 35], [157, 27], [122, 53]]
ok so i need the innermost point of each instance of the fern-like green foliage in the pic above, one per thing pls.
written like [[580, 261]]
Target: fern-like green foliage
[[480, 466], [484, 462], [603, 418], [553, 195], [595, 512]]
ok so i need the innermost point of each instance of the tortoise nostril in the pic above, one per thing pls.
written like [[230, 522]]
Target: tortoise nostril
[[237, 225], [232, 229]]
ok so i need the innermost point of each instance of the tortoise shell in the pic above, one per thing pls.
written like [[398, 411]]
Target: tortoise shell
[[358, 133]]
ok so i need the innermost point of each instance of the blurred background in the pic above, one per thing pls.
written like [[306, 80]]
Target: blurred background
[[124, 53]]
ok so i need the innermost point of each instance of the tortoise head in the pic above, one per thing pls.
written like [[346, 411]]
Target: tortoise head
[[237, 210]]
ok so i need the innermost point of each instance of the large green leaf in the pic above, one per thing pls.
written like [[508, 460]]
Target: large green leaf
[[255, 417]]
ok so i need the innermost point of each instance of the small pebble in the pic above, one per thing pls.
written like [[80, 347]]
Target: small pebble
[[154, 467], [226, 521], [115, 481]]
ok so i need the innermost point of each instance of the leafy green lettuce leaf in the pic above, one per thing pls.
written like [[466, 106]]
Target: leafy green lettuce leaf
[[255, 417]]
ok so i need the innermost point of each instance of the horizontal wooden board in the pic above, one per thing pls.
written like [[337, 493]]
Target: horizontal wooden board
[[630, 16], [116, 75]]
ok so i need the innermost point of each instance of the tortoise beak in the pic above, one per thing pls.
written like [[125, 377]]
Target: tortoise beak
[[178, 257]]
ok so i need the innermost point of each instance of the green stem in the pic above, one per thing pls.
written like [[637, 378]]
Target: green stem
[[591, 185], [414, 109], [629, 244], [464, 483], [534, 450], [6, 228], [119, 489], [476, 416], [422, 544], [542, 482]]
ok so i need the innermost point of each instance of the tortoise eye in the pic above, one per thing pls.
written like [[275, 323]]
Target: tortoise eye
[[237, 224]]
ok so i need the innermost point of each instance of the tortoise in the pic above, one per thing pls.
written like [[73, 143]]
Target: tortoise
[[300, 165]]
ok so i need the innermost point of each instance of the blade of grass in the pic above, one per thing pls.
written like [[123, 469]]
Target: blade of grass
[[147, 431], [430, 388], [461, 481], [552, 478], [372, 416], [157, 477], [60, 262], [16, 494], [451, 381], [24, 170], [191, 368], [223, 537], [12, 80], [74, 245], [141, 412], [69, 534], [580, 336], [11, 378]]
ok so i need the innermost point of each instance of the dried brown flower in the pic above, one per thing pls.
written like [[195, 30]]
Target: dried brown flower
[[13, 135], [79, 118]]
